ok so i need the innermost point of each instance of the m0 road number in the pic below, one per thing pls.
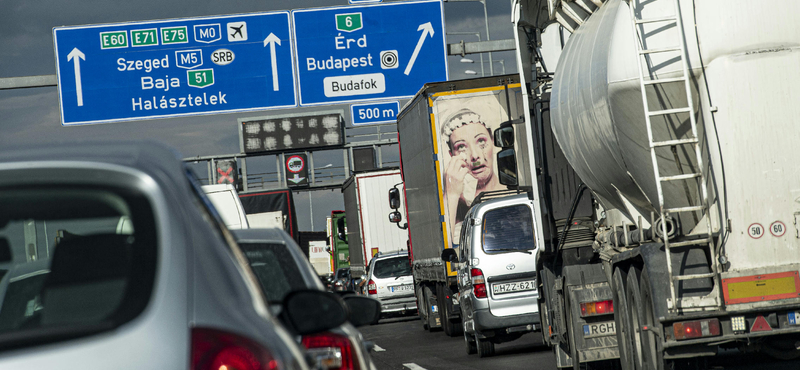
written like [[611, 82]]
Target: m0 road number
[[518, 286], [401, 288], [599, 329]]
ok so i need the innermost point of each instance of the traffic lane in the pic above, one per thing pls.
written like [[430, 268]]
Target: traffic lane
[[401, 342]]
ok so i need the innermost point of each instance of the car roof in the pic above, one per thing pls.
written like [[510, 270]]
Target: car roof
[[391, 254]]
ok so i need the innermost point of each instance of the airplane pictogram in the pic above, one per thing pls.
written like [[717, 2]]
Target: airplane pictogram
[[238, 30]]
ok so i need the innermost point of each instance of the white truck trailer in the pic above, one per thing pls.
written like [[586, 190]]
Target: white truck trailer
[[366, 208], [678, 115]]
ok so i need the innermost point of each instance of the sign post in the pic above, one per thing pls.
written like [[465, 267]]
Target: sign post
[[179, 67], [370, 52]]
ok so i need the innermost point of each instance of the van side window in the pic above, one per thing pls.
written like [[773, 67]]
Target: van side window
[[508, 229]]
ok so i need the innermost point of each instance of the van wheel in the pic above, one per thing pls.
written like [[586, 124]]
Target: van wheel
[[472, 347], [485, 347]]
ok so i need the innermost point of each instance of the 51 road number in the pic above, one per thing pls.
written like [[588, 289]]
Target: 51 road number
[[200, 78]]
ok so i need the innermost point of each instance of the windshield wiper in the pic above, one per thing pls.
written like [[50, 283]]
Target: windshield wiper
[[511, 250]]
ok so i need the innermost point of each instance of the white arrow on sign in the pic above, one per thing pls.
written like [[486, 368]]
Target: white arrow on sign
[[77, 55], [272, 40], [296, 179], [427, 29]]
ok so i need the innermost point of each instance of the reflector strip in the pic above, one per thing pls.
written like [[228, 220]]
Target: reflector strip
[[756, 288]]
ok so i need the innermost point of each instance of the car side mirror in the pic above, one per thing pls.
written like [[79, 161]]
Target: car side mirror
[[313, 311], [394, 198], [449, 255], [504, 136], [363, 310], [395, 217], [507, 167]]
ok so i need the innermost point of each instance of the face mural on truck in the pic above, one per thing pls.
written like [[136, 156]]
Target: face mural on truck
[[466, 150]]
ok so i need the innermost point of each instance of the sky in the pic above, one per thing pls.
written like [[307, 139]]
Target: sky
[[31, 116]]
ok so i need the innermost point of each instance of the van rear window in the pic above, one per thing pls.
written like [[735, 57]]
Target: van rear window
[[508, 229], [78, 261]]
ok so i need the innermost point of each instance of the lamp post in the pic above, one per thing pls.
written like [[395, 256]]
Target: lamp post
[[486, 20], [478, 35]]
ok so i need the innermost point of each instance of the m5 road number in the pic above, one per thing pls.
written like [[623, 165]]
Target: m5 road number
[[518, 286]]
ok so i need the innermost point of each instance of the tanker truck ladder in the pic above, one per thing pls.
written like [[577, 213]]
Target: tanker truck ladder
[[674, 303]]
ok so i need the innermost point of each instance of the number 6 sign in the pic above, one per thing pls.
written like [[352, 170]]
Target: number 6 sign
[[777, 229]]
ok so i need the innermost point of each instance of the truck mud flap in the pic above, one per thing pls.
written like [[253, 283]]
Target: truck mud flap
[[432, 309]]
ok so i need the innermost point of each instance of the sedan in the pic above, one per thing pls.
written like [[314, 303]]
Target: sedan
[[111, 257], [281, 268]]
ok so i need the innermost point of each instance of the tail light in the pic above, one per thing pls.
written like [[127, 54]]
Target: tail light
[[372, 288], [333, 351], [597, 308], [218, 350], [478, 283], [696, 329]]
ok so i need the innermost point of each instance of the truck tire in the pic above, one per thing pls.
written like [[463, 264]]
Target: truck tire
[[634, 297], [451, 329], [620, 314], [469, 340], [422, 312], [484, 346], [652, 351], [430, 320]]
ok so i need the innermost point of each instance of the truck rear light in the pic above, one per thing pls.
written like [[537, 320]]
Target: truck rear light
[[478, 283], [372, 288], [696, 329], [214, 350], [597, 308], [332, 351]]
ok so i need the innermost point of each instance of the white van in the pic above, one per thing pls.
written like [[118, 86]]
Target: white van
[[226, 201]]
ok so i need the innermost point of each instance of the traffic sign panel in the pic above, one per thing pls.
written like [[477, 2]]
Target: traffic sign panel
[[374, 113], [358, 53], [177, 67]]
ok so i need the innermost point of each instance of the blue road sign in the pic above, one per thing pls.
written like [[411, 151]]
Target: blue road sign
[[370, 52], [373, 113], [177, 67]]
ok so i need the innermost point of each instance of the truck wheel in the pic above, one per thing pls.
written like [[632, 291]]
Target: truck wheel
[[620, 318], [472, 347], [652, 351], [444, 313], [430, 320], [485, 347], [634, 322], [422, 312]]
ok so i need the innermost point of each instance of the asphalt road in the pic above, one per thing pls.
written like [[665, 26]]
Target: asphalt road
[[402, 344]]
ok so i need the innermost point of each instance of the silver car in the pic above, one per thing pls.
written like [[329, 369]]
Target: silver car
[[281, 268], [111, 258], [496, 256], [389, 280]]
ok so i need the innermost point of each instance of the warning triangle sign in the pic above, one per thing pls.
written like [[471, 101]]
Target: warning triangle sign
[[761, 324]]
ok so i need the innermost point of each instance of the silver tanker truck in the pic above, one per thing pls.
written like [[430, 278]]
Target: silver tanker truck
[[678, 117]]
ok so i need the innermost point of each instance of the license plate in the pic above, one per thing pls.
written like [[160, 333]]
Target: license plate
[[401, 288], [599, 329], [794, 318], [518, 286]]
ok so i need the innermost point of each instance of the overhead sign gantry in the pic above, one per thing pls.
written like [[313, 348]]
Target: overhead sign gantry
[[177, 67], [372, 52]]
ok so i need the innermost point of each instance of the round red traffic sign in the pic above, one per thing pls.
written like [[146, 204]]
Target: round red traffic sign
[[777, 229], [295, 164], [756, 231]]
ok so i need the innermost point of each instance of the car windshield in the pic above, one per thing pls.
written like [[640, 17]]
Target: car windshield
[[73, 259], [342, 273], [391, 267], [275, 269], [508, 229]]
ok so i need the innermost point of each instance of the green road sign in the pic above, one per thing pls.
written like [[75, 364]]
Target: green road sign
[[144, 37], [348, 22], [200, 77], [113, 39], [173, 35]]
